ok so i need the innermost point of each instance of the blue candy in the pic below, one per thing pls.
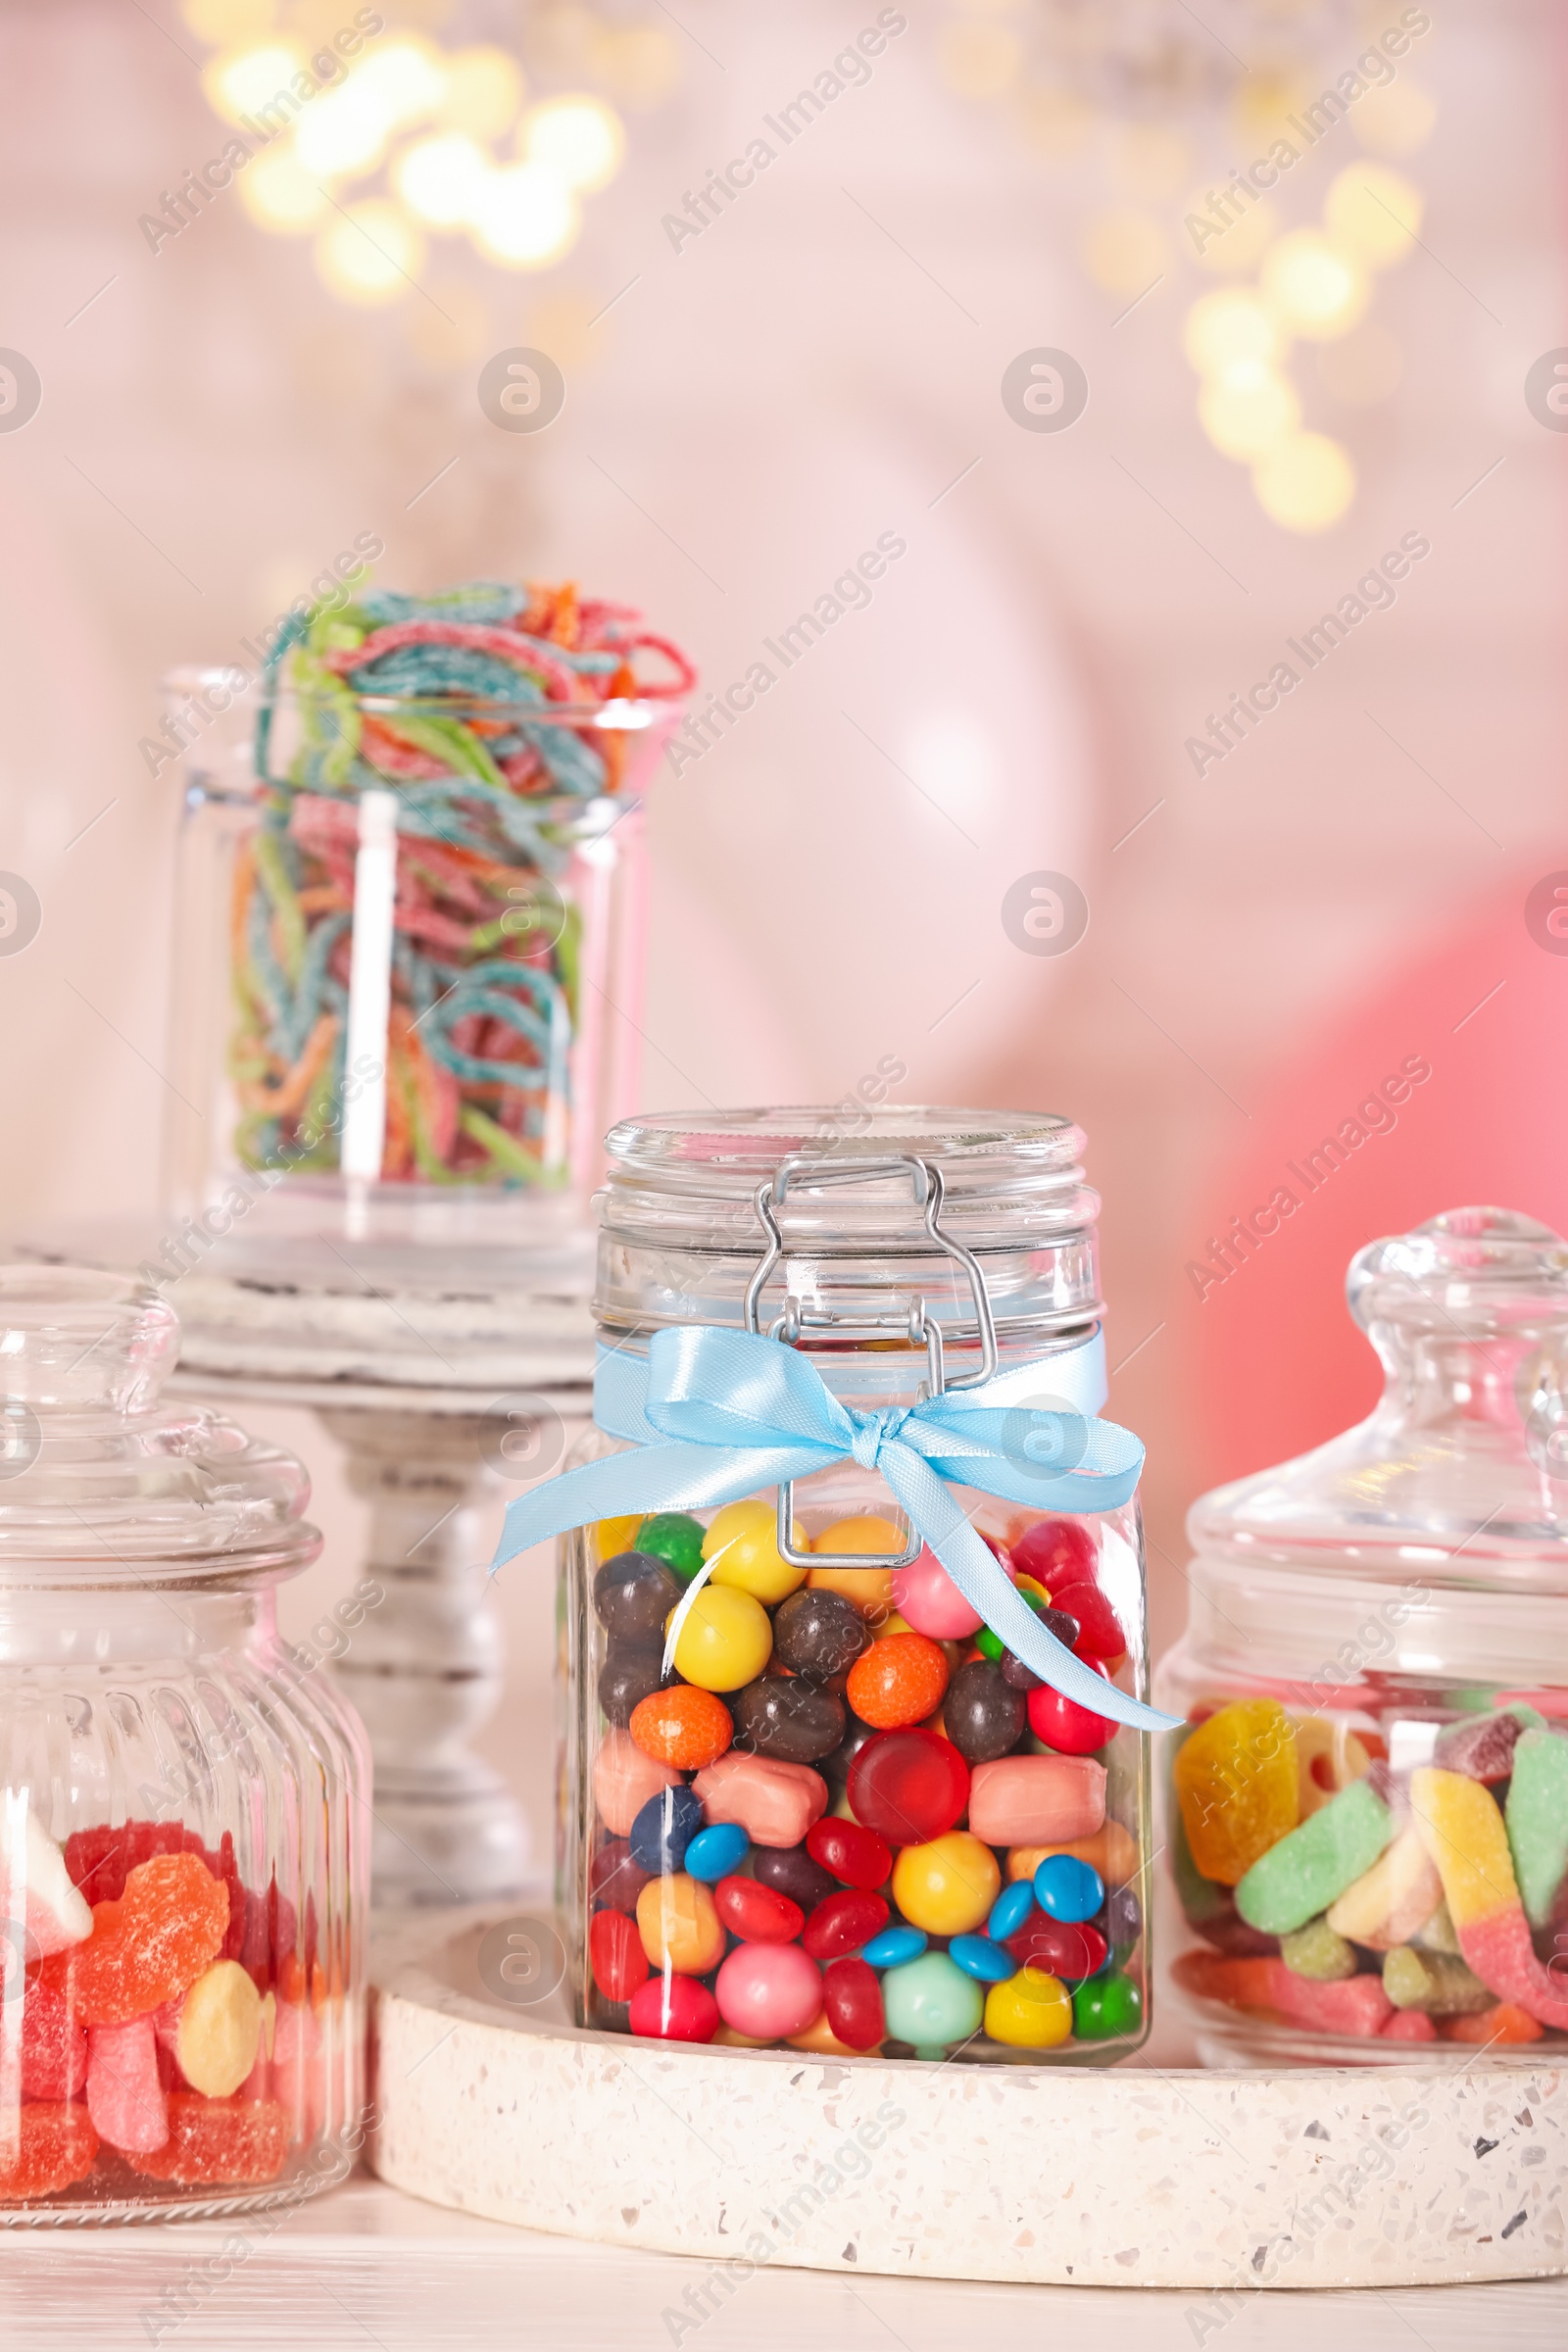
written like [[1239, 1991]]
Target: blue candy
[[1068, 1890], [1010, 1909], [714, 1853], [894, 1947], [665, 1828], [978, 1956]]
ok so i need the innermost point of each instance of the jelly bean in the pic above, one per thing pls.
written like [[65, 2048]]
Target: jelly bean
[[633, 1594], [1025, 1799], [682, 1726], [673, 2009], [1235, 1779], [1503, 2026], [900, 1681], [1099, 1632], [1065, 1726], [1010, 1909], [869, 1588], [1319, 1952], [626, 1678], [1030, 2011], [616, 1955], [715, 1853], [679, 1926], [1058, 1551], [1310, 1867], [894, 1947], [768, 1989], [1106, 2008], [1437, 1983], [1067, 1949], [1538, 1821], [675, 1537], [743, 1545], [1068, 1889], [150, 1944], [819, 1634], [945, 1886], [614, 1879], [984, 1717], [613, 1537], [1386, 1904], [1483, 1747], [1463, 1831], [789, 1870], [930, 1603], [855, 1855], [54, 2043], [665, 1828], [908, 1786], [52, 2145], [980, 1958], [756, 1914], [852, 2002], [125, 2096], [725, 1639], [787, 1716], [1112, 1850], [846, 1919], [992, 1646], [1328, 1757], [775, 1803], [931, 2003], [217, 2032], [624, 1780], [45, 1901]]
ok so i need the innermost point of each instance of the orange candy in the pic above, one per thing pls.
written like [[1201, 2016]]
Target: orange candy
[[1505, 2024], [151, 1944], [219, 2141], [57, 2146], [899, 1681], [683, 1726]]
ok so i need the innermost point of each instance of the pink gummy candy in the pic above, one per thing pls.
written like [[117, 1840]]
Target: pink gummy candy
[[125, 2096], [1408, 2024], [54, 2045]]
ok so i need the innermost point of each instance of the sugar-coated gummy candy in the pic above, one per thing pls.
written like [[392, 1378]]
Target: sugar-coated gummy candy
[[53, 2146], [1328, 1757], [854, 1856], [625, 1778], [1068, 1890], [756, 1914], [1064, 1725], [1386, 1904], [219, 2030], [1048, 1801], [715, 1853], [1112, 1850], [1537, 1817], [945, 1886], [629, 1673], [900, 1681], [1030, 2011], [1505, 2025], [894, 1947], [1235, 1779], [790, 1869], [235, 2143], [682, 1727], [1311, 1866], [790, 1717], [125, 2092], [614, 1879], [725, 1640], [1439, 1933], [675, 1537], [673, 2009], [1408, 2024], [664, 1827], [819, 1634], [101, 1858], [1464, 1834], [775, 1803], [1358, 2006], [1106, 2008], [54, 2043], [679, 1926], [848, 1919], [1010, 1909], [978, 1957], [1437, 1983], [633, 1594], [1058, 1551], [616, 1955], [851, 2003], [1319, 1952], [53, 1911], [1482, 1747], [907, 1786], [1070, 1950], [768, 1989], [931, 2003], [150, 1944], [743, 1545], [984, 1717], [930, 1603]]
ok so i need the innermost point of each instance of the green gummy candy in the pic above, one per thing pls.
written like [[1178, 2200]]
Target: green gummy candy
[[1537, 1816], [1311, 1866], [1440, 1935], [1437, 1983], [1316, 1952]]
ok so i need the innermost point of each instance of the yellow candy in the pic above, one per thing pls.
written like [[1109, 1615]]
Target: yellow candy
[[679, 1927], [219, 2031], [948, 1885], [613, 1537], [870, 1589], [822, 2042], [1235, 1781], [1030, 2011], [1113, 1850], [743, 1545], [725, 1642]]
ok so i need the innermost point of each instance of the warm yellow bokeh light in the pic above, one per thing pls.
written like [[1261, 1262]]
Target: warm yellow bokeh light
[[1124, 251], [525, 216], [1397, 120], [408, 77], [1262, 106], [1055, 122], [369, 253], [243, 79], [979, 61], [579, 139], [344, 130], [1231, 324], [1306, 484], [1374, 209], [441, 178], [1247, 408], [1316, 287], [1149, 161], [1228, 247], [1364, 368], [483, 93], [279, 194], [230, 22]]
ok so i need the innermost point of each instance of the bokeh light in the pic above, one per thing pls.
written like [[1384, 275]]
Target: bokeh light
[[1375, 210], [579, 139], [236, 83], [1240, 243], [279, 194], [441, 180], [525, 216], [484, 90], [1397, 120], [1247, 407], [369, 253], [979, 61], [1124, 251], [1316, 287], [1229, 325], [230, 22], [344, 130], [1306, 483]]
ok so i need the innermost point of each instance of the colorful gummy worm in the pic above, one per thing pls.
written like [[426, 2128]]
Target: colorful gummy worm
[[433, 698]]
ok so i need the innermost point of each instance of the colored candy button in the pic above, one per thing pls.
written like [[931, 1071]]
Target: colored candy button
[[1068, 1889], [1010, 1909], [715, 1853], [894, 1947], [979, 1957]]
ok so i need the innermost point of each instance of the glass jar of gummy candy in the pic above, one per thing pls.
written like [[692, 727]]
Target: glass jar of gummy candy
[[1367, 1817], [844, 1818], [410, 921], [182, 1897]]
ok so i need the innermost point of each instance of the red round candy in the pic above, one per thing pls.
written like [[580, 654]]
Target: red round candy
[[1061, 1948], [907, 1786], [844, 1923], [852, 1996], [856, 1856], [616, 1955], [673, 2009], [756, 1914], [1058, 1551], [1062, 1724], [1100, 1634]]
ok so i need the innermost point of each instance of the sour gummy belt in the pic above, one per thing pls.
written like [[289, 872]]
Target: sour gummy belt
[[490, 713]]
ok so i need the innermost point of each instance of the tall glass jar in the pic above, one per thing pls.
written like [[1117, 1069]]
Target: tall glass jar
[[847, 1819], [182, 1892], [1367, 1820]]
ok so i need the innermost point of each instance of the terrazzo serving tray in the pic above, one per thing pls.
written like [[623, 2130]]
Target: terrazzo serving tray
[[1231, 2182]]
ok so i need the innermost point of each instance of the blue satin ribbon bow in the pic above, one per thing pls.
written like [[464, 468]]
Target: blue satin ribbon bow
[[715, 1414]]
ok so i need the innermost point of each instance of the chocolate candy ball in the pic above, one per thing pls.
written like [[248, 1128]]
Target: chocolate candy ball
[[818, 1633], [983, 1715], [789, 1870], [633, 1594], [629, 1676], [788, 1718]]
